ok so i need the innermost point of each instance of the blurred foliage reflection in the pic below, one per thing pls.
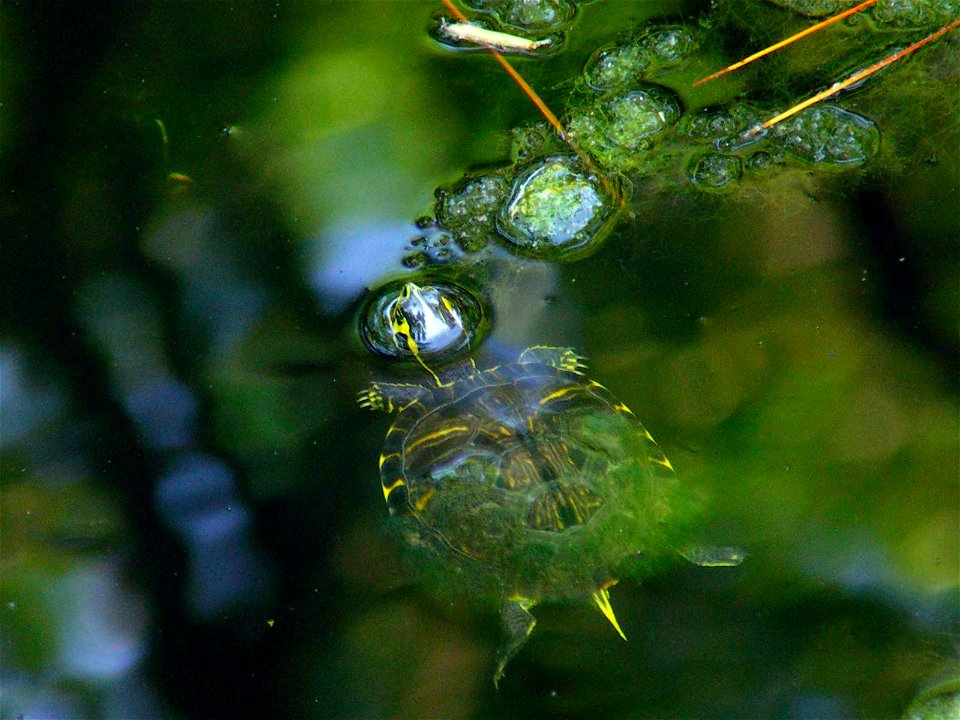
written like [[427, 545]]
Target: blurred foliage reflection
[[196, 199]]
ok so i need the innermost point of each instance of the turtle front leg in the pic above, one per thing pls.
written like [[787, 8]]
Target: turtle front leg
[[518, 623], [559, 357], [389, 397]]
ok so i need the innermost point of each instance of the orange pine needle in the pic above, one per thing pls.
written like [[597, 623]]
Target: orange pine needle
[[790, 40], [852, 80], [542, 107]]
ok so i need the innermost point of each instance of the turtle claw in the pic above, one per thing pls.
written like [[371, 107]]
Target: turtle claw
[[389, 397], [373, 399], [558, 357], [571, 362], [602, 600]]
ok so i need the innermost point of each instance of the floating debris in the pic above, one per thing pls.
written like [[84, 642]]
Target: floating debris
[[556, 210], [460, 33]]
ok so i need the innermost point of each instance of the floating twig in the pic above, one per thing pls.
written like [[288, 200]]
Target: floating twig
[[783, 43], [542, 107], [852, 80]]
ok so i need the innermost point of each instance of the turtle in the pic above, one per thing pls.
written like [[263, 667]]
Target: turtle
[[526, 481]]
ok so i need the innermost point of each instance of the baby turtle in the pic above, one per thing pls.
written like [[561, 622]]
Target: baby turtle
[[527, 481]]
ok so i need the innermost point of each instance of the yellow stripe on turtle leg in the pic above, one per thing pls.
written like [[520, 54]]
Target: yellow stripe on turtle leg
[[602, 599]]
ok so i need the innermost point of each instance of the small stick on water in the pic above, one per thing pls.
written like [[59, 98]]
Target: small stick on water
[[467, 32], [852, 80], [541, 106], [790, 40]]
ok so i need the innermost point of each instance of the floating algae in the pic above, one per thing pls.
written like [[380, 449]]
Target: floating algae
[[615, 128], [717, 171], [470, 210], [621, 64], [528, 15], [556, 208], [828, 135]]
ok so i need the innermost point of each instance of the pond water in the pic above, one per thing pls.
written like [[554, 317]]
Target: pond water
[[200, 199]]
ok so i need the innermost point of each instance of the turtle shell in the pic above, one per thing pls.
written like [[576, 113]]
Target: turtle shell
[[534, 479]]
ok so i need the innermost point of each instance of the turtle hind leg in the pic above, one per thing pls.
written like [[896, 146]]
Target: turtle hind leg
[[602, 599], [559, 357], [706, 556], [518, 623]]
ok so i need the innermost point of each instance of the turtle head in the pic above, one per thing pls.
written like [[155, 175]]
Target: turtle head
[[423, 319]]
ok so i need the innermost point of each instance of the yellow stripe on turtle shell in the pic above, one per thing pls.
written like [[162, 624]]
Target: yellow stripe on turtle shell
[[437, 435], [559, 393], [384, 458], [387, 489], [425, 498]]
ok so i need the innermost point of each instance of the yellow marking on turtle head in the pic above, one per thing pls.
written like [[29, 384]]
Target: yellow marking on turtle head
[[387, 489], [558, 394], [436, 435], [602, 599], [400, 324]]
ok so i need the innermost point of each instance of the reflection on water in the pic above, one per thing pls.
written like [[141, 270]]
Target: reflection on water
[[191, 523]]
